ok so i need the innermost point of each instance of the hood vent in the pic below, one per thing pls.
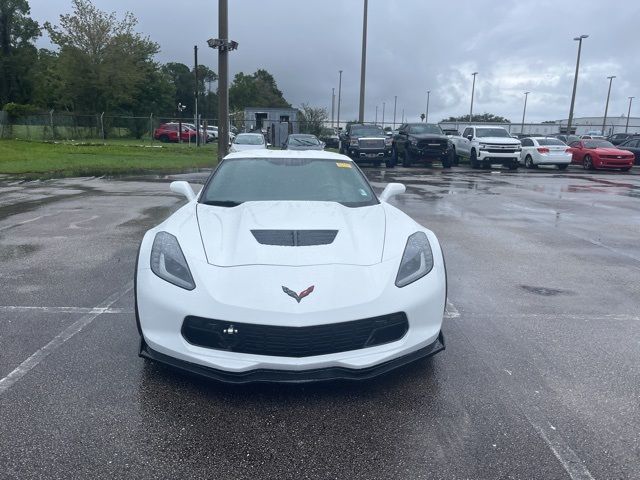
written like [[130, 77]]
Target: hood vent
[[295, 238]]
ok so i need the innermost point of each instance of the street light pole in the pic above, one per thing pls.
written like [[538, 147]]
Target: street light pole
[[383, 105], [376, 115], [426, 117], [339, 97], [363, 64], [628, 114], [606, 107], [575, 82], [473, 90], [395, 103], [524, 112]]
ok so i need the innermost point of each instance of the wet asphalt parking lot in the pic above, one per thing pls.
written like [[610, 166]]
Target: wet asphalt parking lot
[[540, 378]]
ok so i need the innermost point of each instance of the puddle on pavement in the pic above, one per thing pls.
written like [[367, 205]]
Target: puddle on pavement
[[544, 291]]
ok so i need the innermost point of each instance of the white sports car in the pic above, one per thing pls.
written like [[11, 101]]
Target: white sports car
[[286, 267]]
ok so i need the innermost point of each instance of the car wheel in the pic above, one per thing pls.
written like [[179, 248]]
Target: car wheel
[[587, 163], [394, 155], [473, 159], [448, 161], [528, 162], [563, 166], [406, 159], [164, 138], [389, 163], [514, 164]]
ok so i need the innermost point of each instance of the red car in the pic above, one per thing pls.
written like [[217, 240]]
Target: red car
[[168, 132], [592, 154]]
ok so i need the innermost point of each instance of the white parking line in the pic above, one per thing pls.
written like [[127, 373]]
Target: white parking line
[[31, 362], [85, 310], [21, 223]]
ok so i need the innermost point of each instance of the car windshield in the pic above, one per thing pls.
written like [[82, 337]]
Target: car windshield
[[303, 140], [288, 179], [426, 128], [249, 139], [549, 141], [492, 132], [368, 131], [598, 144]]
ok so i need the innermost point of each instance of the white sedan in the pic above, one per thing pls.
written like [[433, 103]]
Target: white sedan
[[287, 267], [544, 151], [248, 141]]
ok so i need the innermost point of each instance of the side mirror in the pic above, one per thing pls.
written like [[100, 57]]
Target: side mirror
[[469, 137], [391, 190], [183, 188]]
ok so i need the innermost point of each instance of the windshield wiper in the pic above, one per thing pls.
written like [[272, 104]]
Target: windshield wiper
[[222, 203]]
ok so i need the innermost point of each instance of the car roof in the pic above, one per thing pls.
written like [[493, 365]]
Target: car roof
[[307, 154]]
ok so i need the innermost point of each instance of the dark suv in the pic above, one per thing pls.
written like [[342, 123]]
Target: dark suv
[[422, 142], [366, 143]]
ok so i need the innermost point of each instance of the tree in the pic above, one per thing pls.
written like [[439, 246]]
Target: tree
[[103, 64], [312, 119], [257, 90], [484, 118], [17, 52]]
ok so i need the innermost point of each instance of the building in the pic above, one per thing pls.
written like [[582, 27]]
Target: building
[[585, 125], [263, 118]]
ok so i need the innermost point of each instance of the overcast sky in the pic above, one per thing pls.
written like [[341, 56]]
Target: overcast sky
[[413, 46]]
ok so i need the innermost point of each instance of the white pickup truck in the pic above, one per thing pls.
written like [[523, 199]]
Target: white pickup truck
[[484, 146]]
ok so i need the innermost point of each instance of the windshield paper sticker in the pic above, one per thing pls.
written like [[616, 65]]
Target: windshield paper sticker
[[343, 164]]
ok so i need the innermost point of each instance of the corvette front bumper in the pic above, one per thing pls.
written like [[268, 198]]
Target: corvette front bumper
[[293, 376]]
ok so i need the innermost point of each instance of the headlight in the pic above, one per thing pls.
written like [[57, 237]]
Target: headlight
[[483, 146], [414, 142], [388, 141], [518, 148], [168, 262], [353, 142], [417, 260]]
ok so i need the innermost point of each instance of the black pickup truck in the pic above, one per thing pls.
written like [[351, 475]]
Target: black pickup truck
[[422, 142], [366, 143]]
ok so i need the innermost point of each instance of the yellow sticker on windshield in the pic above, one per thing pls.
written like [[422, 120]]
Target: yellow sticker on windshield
[[343, 164]]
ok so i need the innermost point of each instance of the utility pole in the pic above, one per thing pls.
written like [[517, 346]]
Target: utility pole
[[575, 82], [224, 45], [376, 115], [606, 107], [524, 112], [402, 116], [395, 103], [195, 110], [339, 96], [383, 105], [473, 90], [426, 117], [333, 104], [626, 128], [363, 64]]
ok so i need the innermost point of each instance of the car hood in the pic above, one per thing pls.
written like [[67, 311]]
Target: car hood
[[499, 140], [228, 239], [611, 151]]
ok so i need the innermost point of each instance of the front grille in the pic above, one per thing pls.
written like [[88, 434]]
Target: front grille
[[432, 144], [371, 143], [499, 150], [615, 157], [295, 238], [298, 342]]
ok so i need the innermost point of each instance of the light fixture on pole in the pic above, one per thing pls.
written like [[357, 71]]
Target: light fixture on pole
[[473, 90], [606, 107], [426, 117], [524, 111], [575, 82], [628, 114]]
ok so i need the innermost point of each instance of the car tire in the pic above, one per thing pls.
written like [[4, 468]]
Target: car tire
[[473, 160], [164, 138], [587, 163], [394, 155], [563, 166], [513, 165], [389, 163], [447, 162], [528, 162], [406, 159]]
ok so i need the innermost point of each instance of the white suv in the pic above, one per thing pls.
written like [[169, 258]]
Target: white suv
[[484, 146]]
